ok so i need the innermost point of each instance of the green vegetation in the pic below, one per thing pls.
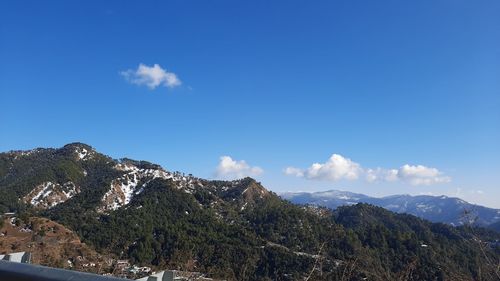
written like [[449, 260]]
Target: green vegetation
[[240, 231]]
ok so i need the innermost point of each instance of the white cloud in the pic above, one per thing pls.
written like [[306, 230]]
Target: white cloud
[[336, 168], [234, 169], [341, 168], [291, 171], [379, 174], [421, 175], [151, 76]]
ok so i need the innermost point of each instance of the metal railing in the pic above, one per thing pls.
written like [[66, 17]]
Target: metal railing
[[13, 271]]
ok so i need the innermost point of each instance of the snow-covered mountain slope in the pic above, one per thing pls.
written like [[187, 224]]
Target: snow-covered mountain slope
[[444, 209], [330, 198], [136, 177], [45, 178], [49, 194], [133, 182]]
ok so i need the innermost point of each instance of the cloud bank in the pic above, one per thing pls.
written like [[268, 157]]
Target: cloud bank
[[234, 169], [338, 167], [151, 76]]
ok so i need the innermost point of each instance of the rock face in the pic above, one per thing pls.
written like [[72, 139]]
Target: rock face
[[49, 194]]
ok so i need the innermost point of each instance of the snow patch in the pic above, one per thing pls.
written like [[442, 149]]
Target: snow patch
[[49, 194], [134, 181], [423, 207], [244, 206], [82, 153]]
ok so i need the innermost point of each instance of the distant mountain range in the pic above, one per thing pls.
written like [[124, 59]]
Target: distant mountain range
[[123, 209], [443, 209]]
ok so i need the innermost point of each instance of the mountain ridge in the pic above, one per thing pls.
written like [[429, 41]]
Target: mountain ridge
[[450, 210], [233, 230]]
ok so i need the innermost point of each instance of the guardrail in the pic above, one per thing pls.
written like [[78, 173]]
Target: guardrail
[[13, 271]]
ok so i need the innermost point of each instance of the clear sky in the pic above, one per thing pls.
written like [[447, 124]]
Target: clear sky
[[386, 97]]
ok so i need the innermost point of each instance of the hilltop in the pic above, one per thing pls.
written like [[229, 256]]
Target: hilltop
[[236, 230]]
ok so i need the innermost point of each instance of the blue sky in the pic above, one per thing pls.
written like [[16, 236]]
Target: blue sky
[[406, 94]]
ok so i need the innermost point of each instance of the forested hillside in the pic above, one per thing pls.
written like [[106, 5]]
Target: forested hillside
[[235, 230]]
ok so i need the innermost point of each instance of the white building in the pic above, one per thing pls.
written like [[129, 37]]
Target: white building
[[168, 275], [22, 257]]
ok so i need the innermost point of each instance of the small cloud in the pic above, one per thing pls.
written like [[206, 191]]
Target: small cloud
[[341, 168], [291, 171], [151, 76], [379, 174], [234, 169], [336, 168], [421, 175], [476, 191]]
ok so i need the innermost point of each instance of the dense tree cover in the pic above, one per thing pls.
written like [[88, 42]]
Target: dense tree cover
[[432, 249], [240, 231], [495, 226], [21, 171]]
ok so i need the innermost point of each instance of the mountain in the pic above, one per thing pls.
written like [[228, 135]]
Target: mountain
[[233, 230], [443, 209]]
